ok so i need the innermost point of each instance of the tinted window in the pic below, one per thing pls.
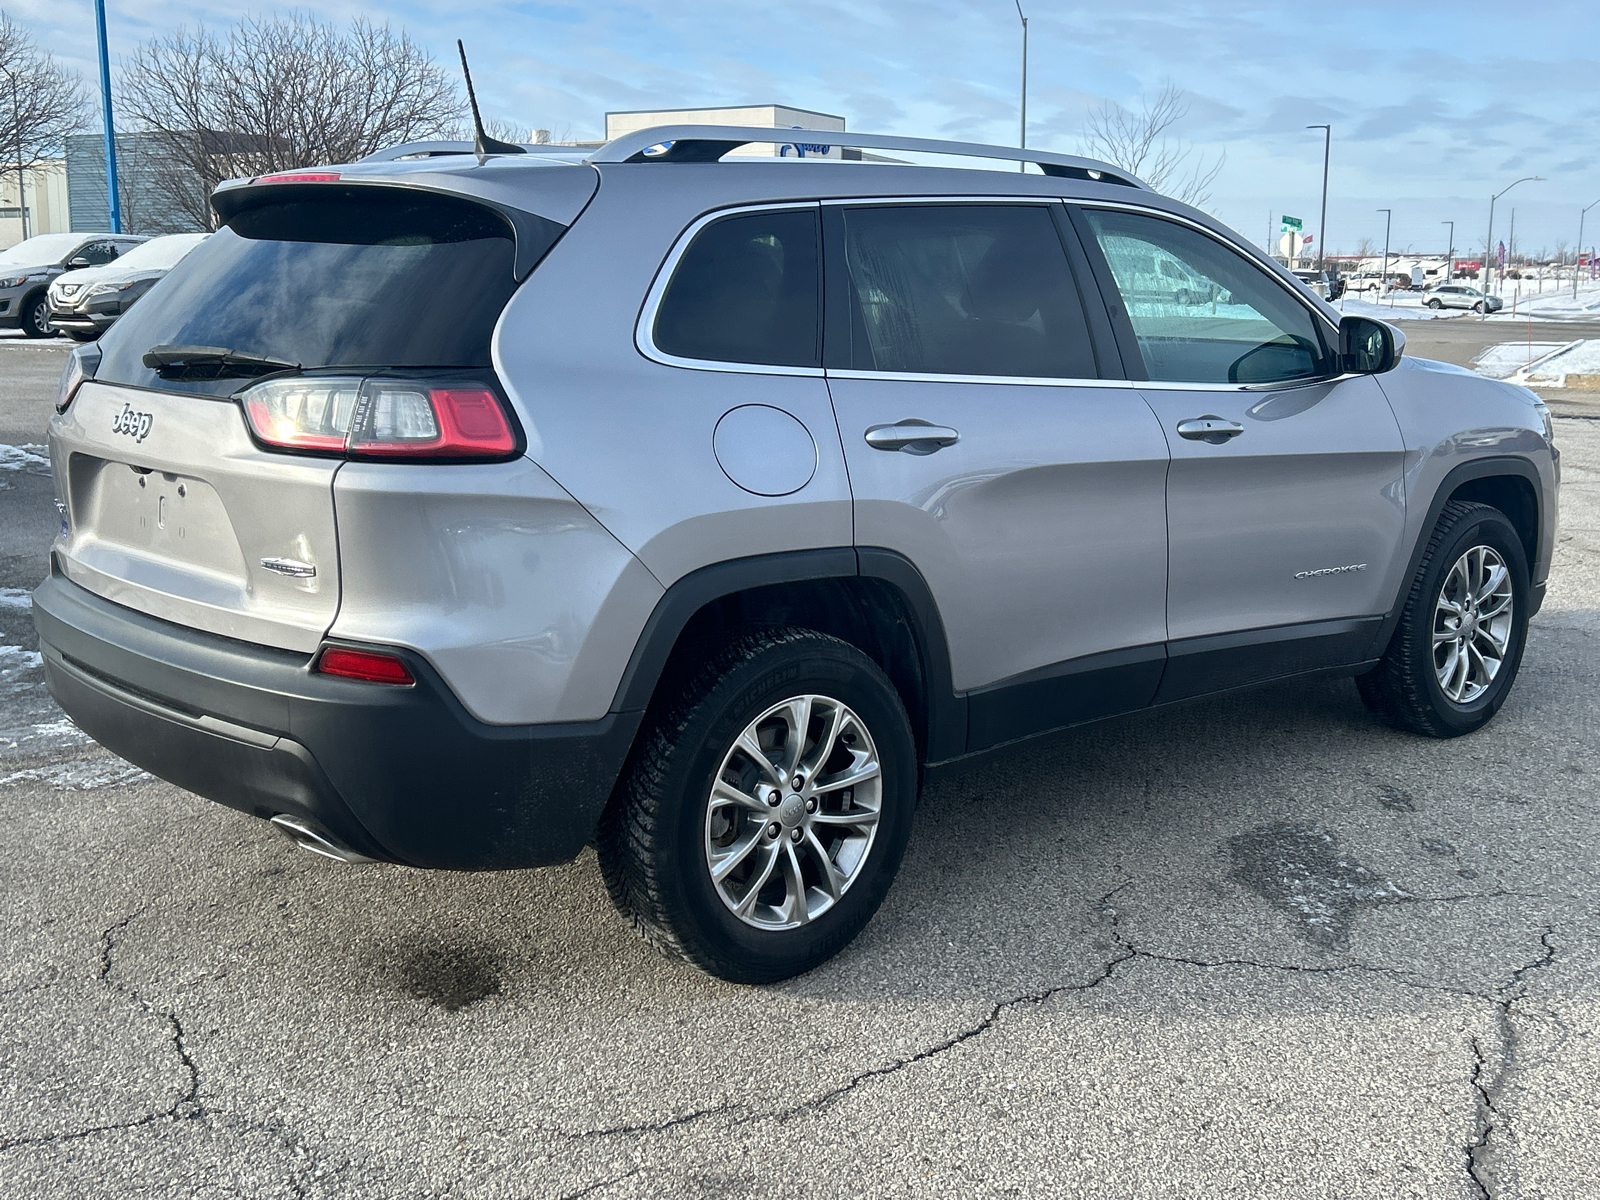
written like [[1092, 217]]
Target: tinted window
[[383, 280], [963, 290], [98, 253], [747, 290], [1225, 321]]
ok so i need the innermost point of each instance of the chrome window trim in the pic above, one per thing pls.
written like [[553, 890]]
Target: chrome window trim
[[644, 327]]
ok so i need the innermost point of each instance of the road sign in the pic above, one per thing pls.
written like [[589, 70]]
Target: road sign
[[1292, 223], [1290, 244]]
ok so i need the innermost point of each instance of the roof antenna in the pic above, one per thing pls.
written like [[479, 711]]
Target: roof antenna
[[482, 145]]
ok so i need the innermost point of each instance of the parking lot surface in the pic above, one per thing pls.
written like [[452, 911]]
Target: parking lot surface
[[1262, 946]]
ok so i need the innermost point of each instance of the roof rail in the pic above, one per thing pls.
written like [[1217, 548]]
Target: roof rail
[[440, 149], [708, 143]]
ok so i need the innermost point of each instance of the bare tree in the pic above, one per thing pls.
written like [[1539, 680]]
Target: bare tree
[[276, 93], [1366, 248], [42, 103], [1141, 142]]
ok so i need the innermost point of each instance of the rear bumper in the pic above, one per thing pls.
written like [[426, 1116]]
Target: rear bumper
[[398, 774]]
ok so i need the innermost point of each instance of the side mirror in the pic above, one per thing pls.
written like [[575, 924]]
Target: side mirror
[[78, 261], [1368, 347]]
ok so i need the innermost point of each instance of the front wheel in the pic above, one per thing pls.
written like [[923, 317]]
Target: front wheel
[[1459, 643], [36, 317], [1478, 307], [767, 809]]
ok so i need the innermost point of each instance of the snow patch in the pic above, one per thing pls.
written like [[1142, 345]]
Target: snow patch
[[26, 457], [79, 776], [16, 598], [15, 662]]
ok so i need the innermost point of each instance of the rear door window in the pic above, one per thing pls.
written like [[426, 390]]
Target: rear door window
[[963, 289], [365, 278], [747, 290], [1227, 322]]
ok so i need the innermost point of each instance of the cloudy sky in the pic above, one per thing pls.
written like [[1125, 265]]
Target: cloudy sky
[[1434, 105]]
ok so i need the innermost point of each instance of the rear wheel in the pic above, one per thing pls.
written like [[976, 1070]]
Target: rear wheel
[[1435, 302], [767, 810], [36, 316], [1456, 651]]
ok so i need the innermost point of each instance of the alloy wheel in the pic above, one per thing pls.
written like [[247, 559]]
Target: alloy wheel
[[1472, 624], [793, 812]]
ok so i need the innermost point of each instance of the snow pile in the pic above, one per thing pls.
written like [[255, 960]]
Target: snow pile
[[1545, 364], [1408, 309]]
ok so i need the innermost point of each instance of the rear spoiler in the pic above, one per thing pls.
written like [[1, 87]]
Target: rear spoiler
[[532, 234]]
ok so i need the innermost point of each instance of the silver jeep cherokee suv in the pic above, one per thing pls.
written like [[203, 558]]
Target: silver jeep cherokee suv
[[462, 512]]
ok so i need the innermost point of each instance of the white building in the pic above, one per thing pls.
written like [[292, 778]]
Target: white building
[[759, 116], [44, 196]]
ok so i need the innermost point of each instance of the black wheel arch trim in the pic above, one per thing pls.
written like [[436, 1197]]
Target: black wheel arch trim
[[1478, 468], [946, 711]]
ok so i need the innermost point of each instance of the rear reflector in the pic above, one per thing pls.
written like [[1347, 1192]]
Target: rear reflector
[[299, 177], [364, 665], [381, 417]]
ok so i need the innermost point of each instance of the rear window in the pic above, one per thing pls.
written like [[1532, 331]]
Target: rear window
[[383, 279]]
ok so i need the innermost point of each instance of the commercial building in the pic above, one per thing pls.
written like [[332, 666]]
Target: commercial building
[[760, 116], [42, 197]]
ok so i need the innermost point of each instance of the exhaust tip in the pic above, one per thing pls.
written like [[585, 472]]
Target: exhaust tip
[[309, 839]]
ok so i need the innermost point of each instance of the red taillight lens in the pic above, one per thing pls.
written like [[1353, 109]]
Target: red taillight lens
[[380, 418], [438, 423], [299, 177], [364, 665]]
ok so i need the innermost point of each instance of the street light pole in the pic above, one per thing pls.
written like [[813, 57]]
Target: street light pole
[[16, 120], [1383, 278], [1022, 141], [113, 193], [1579, 259], [1450, 254], [1488, 246], [1322, 225]]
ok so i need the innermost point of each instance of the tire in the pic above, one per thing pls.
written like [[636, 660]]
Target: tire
[[658, 835], [1435, 303], [83, 335], [1478, 307], [35, 316], [1406, 686]]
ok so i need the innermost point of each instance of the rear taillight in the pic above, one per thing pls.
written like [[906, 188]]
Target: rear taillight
[[81, 365], [365, 665], [381, 417]]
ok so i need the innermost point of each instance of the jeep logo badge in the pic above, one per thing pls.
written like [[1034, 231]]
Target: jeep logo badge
[[135, 424]]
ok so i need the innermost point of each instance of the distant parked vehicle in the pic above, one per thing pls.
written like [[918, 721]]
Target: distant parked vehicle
[[1328, 286], [84, 303], [1459, 295], [28, 267]]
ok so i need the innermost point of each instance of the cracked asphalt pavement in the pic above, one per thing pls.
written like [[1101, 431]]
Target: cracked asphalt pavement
[[1261, 946]]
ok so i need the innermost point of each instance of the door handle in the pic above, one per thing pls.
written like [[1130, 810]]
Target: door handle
[[1209, 428], [913, 436]]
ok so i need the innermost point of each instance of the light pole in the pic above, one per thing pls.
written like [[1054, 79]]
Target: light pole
[[1488, 246], [1322, 225], [113, 193], [1579, 259], [1022, 142], [16, 120], [1450, 254], [1383, 278]]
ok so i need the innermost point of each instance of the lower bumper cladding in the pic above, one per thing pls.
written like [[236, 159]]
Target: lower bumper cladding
[[352, 770]]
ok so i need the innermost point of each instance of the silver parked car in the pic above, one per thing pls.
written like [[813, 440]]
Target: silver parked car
[[1460, 295], [84, 303], [27, 268], [461, 513]]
